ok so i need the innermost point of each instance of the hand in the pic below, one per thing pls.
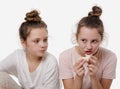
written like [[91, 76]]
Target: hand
[[78, 68], [93, 66]]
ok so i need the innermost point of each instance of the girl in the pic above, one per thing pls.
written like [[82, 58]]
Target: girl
[[98, 71], [34, 67]]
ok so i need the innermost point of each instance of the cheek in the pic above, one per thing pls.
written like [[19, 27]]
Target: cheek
[[96, 47], [47, 44], [81, 45]]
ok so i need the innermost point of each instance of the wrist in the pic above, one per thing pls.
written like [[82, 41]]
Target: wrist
[[94, 78], [79, 77]]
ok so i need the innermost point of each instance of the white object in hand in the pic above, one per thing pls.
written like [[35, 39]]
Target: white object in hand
[[87, 57]]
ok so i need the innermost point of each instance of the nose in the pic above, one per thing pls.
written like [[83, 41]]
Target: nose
[[43, 44], [89, 46]]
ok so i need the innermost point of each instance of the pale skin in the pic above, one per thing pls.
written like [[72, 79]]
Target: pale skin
[[89, 40], [35, 47]]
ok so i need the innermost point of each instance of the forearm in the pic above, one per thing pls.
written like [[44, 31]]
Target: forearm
[[96, 83], [77, 82]]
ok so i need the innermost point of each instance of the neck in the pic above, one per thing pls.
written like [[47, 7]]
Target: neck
[[33, 58]]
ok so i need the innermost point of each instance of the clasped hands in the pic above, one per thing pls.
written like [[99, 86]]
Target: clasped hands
[[92, 64]]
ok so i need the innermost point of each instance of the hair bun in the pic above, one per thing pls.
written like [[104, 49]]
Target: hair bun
[[33, 16], [96, 11]]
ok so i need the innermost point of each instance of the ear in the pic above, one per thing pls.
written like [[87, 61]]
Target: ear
[[23, 42]]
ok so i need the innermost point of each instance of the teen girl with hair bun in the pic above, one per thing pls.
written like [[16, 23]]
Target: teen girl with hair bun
[[34, 67], [99, 70]]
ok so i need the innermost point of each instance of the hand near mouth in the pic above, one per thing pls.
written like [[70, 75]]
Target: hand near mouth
[[87, 57]]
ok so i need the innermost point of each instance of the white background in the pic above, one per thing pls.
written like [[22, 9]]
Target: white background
[[61, 17]]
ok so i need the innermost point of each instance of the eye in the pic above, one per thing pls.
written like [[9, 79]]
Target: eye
[[94, 41], [84, 40], [45, 40], [36, 41]]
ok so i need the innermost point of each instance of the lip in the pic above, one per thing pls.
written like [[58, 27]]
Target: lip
[[88, 52], [43, 51]]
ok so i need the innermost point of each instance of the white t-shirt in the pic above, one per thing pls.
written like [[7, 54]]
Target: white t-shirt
[[45, 76]]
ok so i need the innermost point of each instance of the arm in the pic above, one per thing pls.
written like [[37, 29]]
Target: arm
[[93, 69], [72, 83], [104, 84], [109, 72], [8, 64], [96, 83], [75, 83]]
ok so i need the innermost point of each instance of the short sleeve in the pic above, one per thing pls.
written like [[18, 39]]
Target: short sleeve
[[65, 66], [109, 69]]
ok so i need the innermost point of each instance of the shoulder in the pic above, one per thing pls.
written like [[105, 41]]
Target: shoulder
[[108, 63], [18, 51], [107, 52], [67, 57], [14, 54], [11, 59], [108, 55]]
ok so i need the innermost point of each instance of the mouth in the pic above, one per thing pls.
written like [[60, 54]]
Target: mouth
[[88, 52], [42, 51]]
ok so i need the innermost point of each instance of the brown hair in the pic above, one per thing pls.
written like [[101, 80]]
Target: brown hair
[[33, 20], [92, 21]]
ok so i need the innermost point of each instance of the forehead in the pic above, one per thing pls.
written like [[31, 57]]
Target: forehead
[[38, 32], [89, 33]]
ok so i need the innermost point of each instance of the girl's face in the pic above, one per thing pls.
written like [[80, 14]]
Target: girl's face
[[37, 42], [89, 40]]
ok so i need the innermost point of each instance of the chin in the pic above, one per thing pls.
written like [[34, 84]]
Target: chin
[[42, 54]]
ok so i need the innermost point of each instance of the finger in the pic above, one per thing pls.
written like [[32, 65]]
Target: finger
[[83, 62], [80, 71], [94, 58], [92, 68], [93, 61], [79, 61], [78, 66]]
